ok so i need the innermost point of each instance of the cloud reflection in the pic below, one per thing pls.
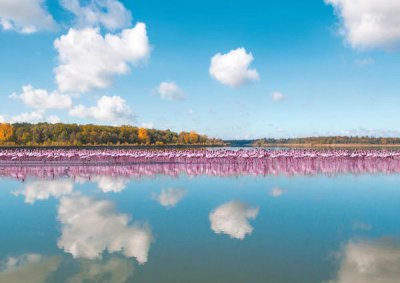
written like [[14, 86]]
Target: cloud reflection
[[276, 192], [36, 268], [43, 189], [91, 227], [110, 183], [370, 261], [232, 219], [170, 197], [33, 268], [113, 270]]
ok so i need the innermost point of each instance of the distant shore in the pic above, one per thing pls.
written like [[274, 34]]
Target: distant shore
[[169, 146], [350, 145]]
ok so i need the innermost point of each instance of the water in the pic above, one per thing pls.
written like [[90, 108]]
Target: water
[[130, 225]]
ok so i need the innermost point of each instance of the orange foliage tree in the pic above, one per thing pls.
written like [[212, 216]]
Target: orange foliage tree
[[194, 137], [6, 131], [143, 135]]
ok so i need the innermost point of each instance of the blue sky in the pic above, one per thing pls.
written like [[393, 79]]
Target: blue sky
[[285, 68]]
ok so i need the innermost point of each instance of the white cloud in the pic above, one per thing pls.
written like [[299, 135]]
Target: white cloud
[[170, 197], [111, 184], [147, 125], [53, 119], [365, 62], [232, 68], [88, 60], [91, 227], [109, 13], [368, 261], [170, 91], [108, 109], [276, 192], [277, 96], [43, 189], [40, 98], [6, 25], [25, 16], [232, 219], [369, 23], [2, 118], [34, 117]]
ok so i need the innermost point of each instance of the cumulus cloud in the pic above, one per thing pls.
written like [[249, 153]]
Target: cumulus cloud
[[43, 189], [25, 16], [53, 119], [2, 118], [34, 117], [170, 91], [276, 192], [109, 13], [232, 219], [370, 261], [107, 109], [89, 61], [277, 96], [28, 268], [232, 69], [170, 197], [147, 125], [369, 23], [90, 227], [111, 184], [40, 98]]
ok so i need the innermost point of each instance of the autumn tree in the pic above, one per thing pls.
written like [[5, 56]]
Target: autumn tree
[[6, 131], [143, 135], [194, 137]]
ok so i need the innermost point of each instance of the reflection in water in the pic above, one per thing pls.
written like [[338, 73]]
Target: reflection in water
[[232, 218], [370, 261], [91, 227], [35, 268], [32, 268], [110, 183], [276, 192], [170, 197], [276, 166], [43, 189], [113, 270]]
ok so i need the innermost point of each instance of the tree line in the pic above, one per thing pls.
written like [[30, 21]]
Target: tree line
[[44, 134], [329, 140]]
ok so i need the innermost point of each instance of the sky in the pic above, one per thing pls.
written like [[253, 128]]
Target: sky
[[227, 69]]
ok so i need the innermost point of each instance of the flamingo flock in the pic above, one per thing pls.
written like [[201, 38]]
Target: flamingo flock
[[265, 167], [134, 156]]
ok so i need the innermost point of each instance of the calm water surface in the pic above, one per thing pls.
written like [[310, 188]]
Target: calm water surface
[[98, 227]]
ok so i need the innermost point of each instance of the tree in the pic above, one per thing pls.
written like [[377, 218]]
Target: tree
[[194, 138], [6, 131], [143, 135]]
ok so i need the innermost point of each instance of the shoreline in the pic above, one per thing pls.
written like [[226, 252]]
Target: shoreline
[[169, 146], [351, 145]]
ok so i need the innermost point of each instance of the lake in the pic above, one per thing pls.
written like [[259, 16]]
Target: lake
[[200, 223]]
